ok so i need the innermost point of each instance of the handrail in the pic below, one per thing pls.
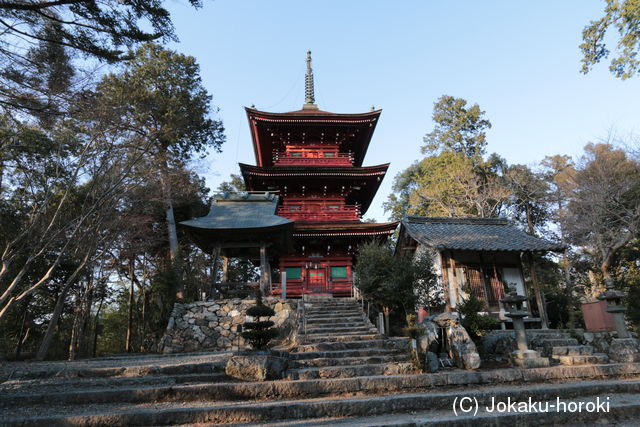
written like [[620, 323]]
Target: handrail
[[337, 159]]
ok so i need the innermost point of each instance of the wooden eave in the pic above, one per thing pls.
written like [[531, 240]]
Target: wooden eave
[[368, 179], [263, 144], [333, 229]]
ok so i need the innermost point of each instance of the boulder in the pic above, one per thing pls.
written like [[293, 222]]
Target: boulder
[[429, 338], [446, 319], [463, 348], [256, 367], [433, 363], [624, 350]]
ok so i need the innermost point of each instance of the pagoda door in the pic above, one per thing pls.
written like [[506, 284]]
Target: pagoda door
[[317, 280]]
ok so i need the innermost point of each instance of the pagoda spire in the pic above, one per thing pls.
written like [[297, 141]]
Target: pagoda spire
[[309, 95]]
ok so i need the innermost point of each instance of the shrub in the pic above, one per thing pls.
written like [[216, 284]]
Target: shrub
[[260, 332], [412, 330], [476, 324]]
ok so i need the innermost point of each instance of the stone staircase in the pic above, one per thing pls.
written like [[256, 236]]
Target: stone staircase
[[564, 349], [340, 342], [340, 381]]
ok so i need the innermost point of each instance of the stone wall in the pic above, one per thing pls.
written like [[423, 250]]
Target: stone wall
[[213, 325]]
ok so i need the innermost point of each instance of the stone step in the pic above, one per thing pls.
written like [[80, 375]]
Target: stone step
[[349, 371], [585, 359], [340, 338], [333, 313], [338, 354], [298, 411], [359, 324], [335, 320], [575, 350], [70, 398], [536, 334], [330, 332], [312, 329], [558, 342], [16, 386], [330, 346], [164, 367], [344, 361], [620, 409]]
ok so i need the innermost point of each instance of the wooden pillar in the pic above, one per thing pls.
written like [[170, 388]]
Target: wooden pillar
[[214, 269], [445, 281], [225, 268], [538, 293], [264, 269]]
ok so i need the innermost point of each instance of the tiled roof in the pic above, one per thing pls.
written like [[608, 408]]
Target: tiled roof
[[240, 211], [478, 234]]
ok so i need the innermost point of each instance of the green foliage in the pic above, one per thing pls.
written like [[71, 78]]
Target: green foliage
[[623, 16], [458, 128], [101, 30], [260, 332], [391, 281], [476, 324], [604, 209], [162, 297], [412, 330], [454, 179], [160, 93]]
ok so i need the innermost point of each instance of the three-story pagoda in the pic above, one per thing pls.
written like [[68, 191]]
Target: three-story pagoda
[[314, 160]]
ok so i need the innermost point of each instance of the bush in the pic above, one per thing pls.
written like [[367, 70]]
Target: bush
[[412, 330], [476, 324], [260, 332]]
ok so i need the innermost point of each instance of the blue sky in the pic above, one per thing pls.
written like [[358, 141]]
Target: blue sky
[[518, 60]]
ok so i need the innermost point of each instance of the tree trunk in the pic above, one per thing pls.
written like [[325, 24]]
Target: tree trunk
[[96, 328], [129, 342], [53, 323], [168, 207], [566, 266], [21, 337], [73, 342], [606, 276], [43, 350], [538, 293]]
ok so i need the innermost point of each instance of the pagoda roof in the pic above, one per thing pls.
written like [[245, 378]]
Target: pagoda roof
[[355, 130], [476, 234], [240, 217], [365, 181], [332, 229]]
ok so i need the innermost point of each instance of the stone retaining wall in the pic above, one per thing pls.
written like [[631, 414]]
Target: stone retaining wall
[[213, 325]]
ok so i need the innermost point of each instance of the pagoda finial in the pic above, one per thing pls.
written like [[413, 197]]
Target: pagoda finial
[[309, 95]]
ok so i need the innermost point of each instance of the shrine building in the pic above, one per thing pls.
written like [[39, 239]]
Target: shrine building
[[313, 161]]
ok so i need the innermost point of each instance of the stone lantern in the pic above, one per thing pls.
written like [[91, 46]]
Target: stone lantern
[[613, 298], [522, 357], [624, 349]]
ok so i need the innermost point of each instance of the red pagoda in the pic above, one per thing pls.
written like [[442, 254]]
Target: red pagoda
[[313, 160]]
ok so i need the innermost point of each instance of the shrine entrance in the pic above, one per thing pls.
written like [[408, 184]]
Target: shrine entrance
[[317, 282]]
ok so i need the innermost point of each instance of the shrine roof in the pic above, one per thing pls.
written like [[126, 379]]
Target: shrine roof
[[353, 228], [355, 130], [477, 234], [364, 181], [243, 210], [324, 171], [240, 217]]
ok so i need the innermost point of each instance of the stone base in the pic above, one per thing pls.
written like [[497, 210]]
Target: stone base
[[528, 359], [256, 367], [624, 350]]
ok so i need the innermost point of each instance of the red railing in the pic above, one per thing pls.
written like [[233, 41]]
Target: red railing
[[317, 159], [298, 288], [316, 213]]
